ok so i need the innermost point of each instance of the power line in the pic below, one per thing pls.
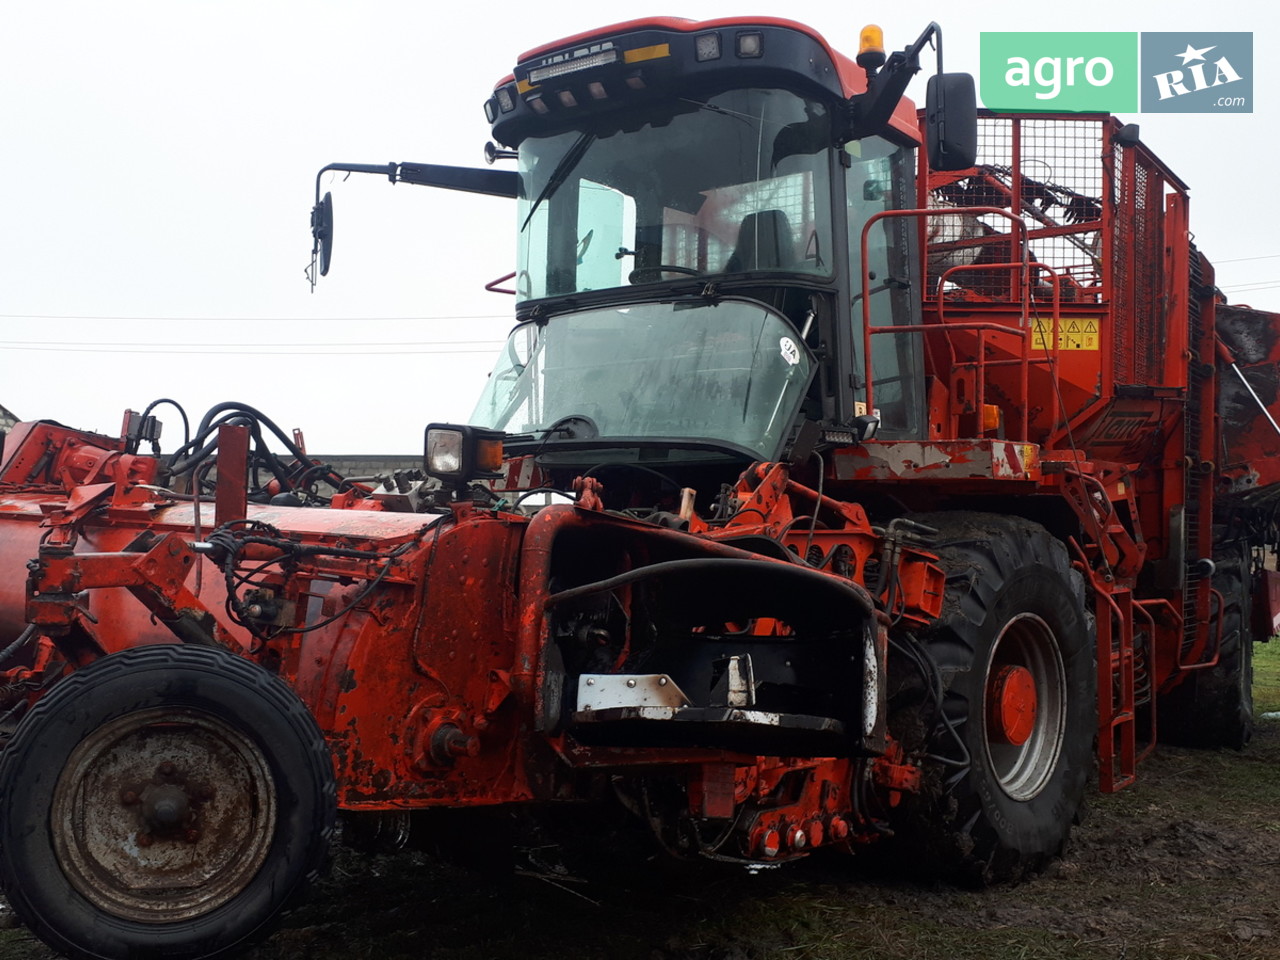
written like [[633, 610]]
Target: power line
[[50, 316], [254, 345], [1255, 285], [346, 350], [1269, 256]]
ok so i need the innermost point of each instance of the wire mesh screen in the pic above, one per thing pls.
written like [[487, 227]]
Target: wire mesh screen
[[1047, 174], [1122, 276], [763, 222]]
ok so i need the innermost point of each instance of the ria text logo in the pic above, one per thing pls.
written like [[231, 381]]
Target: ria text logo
[[1197, 73]]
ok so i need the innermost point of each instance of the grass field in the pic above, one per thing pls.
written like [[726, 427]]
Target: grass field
[[1266, 677]]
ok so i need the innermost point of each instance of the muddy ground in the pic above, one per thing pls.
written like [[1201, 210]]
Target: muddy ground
[[1185, 864]]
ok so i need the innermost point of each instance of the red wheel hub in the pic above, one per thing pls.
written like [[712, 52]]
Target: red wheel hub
[[1011, 705]]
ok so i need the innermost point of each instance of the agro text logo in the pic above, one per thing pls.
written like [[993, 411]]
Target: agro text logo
[[1077, 72], [1197, 72]]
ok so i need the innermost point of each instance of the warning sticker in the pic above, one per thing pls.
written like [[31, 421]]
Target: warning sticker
[[1074, 333]]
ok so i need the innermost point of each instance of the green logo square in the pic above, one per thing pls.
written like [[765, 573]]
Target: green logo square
[[1067, 72]]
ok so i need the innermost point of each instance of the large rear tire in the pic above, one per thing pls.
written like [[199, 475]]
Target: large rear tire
[[167, 801], [1008, 750], [1214, 707]]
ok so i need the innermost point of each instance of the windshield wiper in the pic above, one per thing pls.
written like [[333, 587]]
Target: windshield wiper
[[561, 173], [716, 108]]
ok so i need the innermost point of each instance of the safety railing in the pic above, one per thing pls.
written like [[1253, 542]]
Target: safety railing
[[1024, 332]]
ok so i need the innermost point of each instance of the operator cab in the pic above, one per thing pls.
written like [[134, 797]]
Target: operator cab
[[690, 206]]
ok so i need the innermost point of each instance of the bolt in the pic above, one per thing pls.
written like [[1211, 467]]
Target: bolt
[[463, 746], [166, 769], [591, 681], [662, 681], [144, 839], [770, 844], [448, 743], [798, 839], [129, 798], [631, 683], [814, 832], [839, 828]]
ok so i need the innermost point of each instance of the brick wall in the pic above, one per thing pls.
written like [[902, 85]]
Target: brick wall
[[368, 465]]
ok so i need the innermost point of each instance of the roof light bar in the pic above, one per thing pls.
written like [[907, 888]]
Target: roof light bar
[[553, 70]]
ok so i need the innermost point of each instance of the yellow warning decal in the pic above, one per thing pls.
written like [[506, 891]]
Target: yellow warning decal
[[1074, 333]]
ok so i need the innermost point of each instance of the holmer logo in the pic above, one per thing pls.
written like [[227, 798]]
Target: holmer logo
[[1197, 73], [1060, 71]]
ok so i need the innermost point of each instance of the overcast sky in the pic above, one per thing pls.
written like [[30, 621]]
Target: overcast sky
[[158, 161]]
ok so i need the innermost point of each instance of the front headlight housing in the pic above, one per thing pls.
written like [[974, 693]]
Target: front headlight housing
[[457, 454]]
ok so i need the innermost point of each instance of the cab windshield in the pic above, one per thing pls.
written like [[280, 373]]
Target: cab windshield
[[729, 375], [732, 183]]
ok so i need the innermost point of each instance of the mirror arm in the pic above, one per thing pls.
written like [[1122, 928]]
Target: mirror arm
[[387, 169], [870, 111], [497, 183], [494, 183]]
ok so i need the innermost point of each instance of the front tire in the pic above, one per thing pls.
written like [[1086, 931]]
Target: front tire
[[1008, 750], [166, 801]]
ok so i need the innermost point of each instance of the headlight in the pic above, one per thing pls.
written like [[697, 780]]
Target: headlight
[[459, 454]]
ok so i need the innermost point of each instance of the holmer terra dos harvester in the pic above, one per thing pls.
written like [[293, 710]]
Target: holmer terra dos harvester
[[852, 479]]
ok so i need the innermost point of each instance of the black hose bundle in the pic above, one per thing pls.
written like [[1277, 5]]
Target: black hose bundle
[[196, 457], [228, 544]]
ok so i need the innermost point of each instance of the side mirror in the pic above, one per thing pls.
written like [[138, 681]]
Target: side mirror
[[951, 121], [322, 233]]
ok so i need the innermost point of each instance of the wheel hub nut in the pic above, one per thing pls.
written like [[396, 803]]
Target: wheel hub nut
[[1011, 705], [166, 807]]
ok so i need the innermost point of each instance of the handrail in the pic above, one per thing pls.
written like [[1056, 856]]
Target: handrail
[[1140, 606], [492, 285], [981, 327], [1025, 360], [1016, 233], [1215, 634]]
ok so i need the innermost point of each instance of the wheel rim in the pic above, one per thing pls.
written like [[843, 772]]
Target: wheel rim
[[163, 815], [1024, 706]]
